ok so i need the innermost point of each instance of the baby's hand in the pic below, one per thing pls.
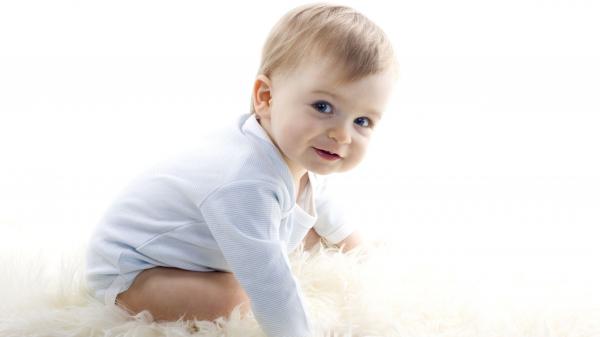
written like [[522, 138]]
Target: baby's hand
[[368, 249]]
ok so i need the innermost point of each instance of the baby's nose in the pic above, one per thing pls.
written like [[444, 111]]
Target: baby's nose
[[340, 133]]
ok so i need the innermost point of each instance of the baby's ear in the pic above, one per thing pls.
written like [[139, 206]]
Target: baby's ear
[[261, 96]]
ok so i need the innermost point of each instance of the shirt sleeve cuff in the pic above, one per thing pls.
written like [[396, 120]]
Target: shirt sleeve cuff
[[339, 234]]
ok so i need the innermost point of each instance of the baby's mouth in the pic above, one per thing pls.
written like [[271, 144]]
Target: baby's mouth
[[327, 154]]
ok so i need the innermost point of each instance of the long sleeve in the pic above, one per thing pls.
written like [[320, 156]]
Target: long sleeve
[[331, 223], [244, 218]]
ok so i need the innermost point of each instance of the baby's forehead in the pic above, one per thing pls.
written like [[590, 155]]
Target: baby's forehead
[[319, 75]]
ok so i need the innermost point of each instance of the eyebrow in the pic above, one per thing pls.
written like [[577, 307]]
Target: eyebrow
[[337, 97]]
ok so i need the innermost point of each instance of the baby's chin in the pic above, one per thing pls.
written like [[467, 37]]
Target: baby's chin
[[325, 170]]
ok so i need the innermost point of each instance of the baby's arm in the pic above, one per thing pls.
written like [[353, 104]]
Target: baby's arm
[[244, 219], [332, 223]]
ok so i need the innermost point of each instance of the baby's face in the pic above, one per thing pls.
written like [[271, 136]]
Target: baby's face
[[308, 112]]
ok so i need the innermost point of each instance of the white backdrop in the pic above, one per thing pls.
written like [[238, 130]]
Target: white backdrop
[[488, 149]]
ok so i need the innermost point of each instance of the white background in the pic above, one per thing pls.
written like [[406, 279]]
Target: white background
[[489, 146]]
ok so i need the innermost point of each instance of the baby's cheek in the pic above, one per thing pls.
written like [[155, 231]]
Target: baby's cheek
[[291, 137], [298, 131], [310, 127]]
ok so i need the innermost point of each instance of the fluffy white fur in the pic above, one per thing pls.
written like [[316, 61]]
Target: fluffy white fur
[[370, 291]]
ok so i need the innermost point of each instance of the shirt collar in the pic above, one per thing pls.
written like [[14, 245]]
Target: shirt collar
[[251, 125]]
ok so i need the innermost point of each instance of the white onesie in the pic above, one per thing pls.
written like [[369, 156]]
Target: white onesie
[[229, 205]]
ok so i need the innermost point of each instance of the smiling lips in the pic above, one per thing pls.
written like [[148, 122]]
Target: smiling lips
[[327, 155]]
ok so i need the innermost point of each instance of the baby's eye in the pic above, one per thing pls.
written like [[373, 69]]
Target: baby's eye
[[322, 105], [367, 122]]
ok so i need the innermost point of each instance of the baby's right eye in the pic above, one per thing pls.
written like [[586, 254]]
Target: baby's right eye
[[322, 105]]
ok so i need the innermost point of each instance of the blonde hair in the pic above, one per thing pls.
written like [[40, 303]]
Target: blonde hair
[[356, 45]]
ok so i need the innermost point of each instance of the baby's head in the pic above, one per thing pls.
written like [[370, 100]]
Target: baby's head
[[325, 78]]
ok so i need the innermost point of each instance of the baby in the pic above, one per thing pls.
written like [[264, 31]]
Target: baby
[[201, 233]]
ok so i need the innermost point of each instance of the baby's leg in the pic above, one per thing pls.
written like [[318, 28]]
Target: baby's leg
[[311, 239], [171, 293]]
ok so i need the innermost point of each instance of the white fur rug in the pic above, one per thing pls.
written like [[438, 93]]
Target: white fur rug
[[378, 293]]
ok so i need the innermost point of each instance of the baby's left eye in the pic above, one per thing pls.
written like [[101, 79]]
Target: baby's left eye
[[367, 122]]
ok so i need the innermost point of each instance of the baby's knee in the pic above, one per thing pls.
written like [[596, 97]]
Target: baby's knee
[[311, 239]]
